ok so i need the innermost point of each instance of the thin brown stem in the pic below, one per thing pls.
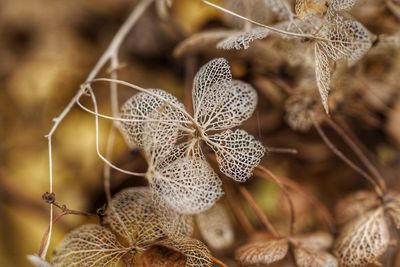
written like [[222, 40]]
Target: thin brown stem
[[285, 193], [219, 262], [357, 150], [65, 211], [190, 72], [237, 211], [350, 163], [282, 150], [260, 214]]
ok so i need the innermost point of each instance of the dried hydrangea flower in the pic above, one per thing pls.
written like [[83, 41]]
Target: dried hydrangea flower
[[339, 39], [366, 233], [219, 104], [134, 228], [178, 172], [309, 251]]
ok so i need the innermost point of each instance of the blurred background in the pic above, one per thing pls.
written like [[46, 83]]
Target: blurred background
[[48, 47]]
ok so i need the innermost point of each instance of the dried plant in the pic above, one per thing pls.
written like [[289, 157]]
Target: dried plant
[[368, 220], [308, 250], [134, 226], [334, 37], [171, 138], [189, 149]]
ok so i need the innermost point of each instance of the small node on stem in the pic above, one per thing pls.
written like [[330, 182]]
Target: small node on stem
[[49, 198]]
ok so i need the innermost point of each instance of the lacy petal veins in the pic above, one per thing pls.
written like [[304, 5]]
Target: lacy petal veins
[[172, 139], [134, 225]]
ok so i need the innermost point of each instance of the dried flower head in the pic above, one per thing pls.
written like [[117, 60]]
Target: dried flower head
[[171, 139], [308, 250], [365, 236], [134, 228]]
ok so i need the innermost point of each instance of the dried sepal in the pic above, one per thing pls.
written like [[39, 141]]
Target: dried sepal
[[196, 253], [173, 223], [343, 38], [89, 245], [216, 227], [262, 252], [212, 74], [145, 107], [363, 240], [308, 258], [340, 5], [238, 153], [300, 111], [307, 8], [355, 205], [244, 39], [226, 105], [189, 185], [38, 261], [323, 75], [132, 215]]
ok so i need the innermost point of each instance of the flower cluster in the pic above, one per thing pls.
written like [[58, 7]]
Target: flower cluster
[[172, 140]]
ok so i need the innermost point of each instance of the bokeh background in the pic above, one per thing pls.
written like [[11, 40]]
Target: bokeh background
[[48, 47]]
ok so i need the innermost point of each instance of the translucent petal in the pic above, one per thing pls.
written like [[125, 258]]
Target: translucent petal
[[214, 72], [363, 240], [216, 227], [142, 108], [262, 253], [299, 112], [197, 254], [307, 258], [339, 5], [89, 245], [173, 223], [141, 221], [323, 75], [226, 105], [238, 153], [189, 185], [243, 40], [344, 39], [131, 215], [355, 205], [307, 8], [159, 140]]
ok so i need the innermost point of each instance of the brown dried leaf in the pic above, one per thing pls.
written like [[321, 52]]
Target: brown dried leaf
[[262, 252], [363, 240], [89, 245], [354, 205], [197, 254]]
